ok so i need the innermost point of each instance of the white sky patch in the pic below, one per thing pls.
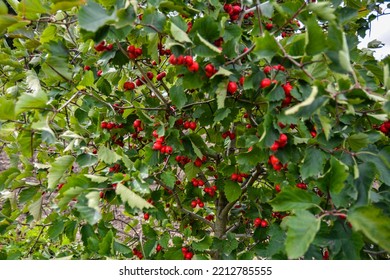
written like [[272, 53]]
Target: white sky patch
[[380, 30]]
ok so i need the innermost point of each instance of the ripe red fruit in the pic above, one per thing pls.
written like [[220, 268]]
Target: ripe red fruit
[[161, 76], [103, 124], [313, 133], [86, 68], [277, 188], [201, 204], [263, 223], [198, 162], [172, 59], [267, 69], [184, 250], [146, 216], [129, 85], [273, 160], [158, 248], [234, 177], [110, 125], [99, 73], [269, 26], [257, 222], [194, 67], [137, 123], [275, 146], [232, 135], [157, 146], [188, 255], [194, 203], [265, 83], [232, 87], [287, 88], [242, 80], [283, 138], [188, 60], [325, 255], [192, 125]]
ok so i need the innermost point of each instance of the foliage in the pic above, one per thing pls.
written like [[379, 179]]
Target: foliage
[[165, 129]]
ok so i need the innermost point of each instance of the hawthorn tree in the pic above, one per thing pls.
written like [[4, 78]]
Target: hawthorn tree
[[190, 129]]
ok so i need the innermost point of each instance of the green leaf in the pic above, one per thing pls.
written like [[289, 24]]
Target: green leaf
[[266, 46], [92, 216], [7, 109], [107, 155], [373, 223], [131, 198], [326, 126], [29, 101], [30, 8], [35, 208], [208, 44], [363, 184], [96, 178], [293, 198], [221, 92], [313, 163], [315, 38], [168, 178], [93, 16], [323, 10], [86, 160], [232, 190], [202, 245], [58, 169], [178, 96], [106, 245], [336, 175], [56, 228], [308, 101], [33, 81], [358, 141], [179, 35], [221, 114], [301, 231]]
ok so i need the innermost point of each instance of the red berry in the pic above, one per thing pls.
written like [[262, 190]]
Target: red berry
[[269, 26], [184, 250], [158, 248], [283, 138], [188, 60], [234, 177], [194, 203], [275, 146], [173, 59], [86, 68], [277, 188], [232, 87], [263, 223], [192, 125], [99, 73], [194, 67], [257, 222], [265, 83], [129, 85], [188, 255], [242, 80], [198, 162], [157, 146], [232, 136], [313, 133], [146, 216], [267, 69], [137, 123], [103, 124]]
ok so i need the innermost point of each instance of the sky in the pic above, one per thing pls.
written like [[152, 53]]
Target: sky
[[380, 30]]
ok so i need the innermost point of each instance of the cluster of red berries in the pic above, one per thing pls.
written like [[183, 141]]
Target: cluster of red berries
[[161, 76], [101, 47], [280, 143], [110, 125], [115, 168], [138, 253], [239, 177], [210, 190], [182, 159], [234, 11], [267, 69], [278, 215], [301, 185], [129, 85], [187, 254], [197, 182], [134, 52], [210, 70], [229, 134], [159, 145], [232, 87], [197, 202], [199, 161], [258, 222], [384, 128], [187, 60], [186, 124], [287, 87], [162, 50], [137, 124], [209, 217], [276, 164]]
